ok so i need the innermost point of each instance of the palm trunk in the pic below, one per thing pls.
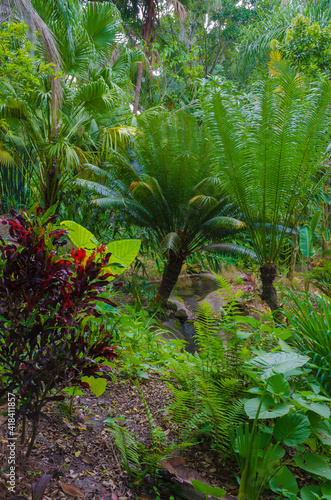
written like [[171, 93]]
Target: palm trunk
[[170, 276], [269, 293]]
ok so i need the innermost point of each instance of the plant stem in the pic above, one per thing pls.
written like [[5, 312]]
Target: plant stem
[[23, 429], [242, 493]]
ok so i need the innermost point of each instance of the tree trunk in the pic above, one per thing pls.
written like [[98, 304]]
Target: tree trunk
[[146, 31], [269, 293], [170, 276], [138, 88], [325, 240], [51, 188], [294, 255]]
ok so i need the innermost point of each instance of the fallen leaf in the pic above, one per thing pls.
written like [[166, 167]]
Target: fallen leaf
[[71, 490], [88, 460], [77, 453]]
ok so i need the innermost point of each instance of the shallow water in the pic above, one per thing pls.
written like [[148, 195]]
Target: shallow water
[[191, 289], [194, 288]]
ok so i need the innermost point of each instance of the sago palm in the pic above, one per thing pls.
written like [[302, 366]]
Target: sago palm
[[165, 187], [268, 155]]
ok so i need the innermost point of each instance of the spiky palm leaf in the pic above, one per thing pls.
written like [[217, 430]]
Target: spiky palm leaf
[[268, 155], [171, 160]]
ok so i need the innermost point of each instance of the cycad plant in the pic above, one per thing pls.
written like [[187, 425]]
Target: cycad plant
[[165, 186], [269, 155]]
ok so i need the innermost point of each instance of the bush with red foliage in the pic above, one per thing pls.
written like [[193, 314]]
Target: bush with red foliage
[[44, 343]]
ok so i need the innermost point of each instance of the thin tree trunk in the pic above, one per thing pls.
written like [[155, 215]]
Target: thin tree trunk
[[269, 292], [170, 276], [294, 255], [138, 88], [146, 31], [325, 240]]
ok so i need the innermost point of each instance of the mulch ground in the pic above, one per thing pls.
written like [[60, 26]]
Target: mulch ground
[[81, 452]]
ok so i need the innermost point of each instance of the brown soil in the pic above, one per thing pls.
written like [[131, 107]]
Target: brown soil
[[82, 452]]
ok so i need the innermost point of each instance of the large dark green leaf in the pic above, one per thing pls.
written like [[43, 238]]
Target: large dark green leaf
[[269, 408], [321, 427], [292, 430], [314, 464], [279, 386], [273, 363], [320, 408], [284, 482]]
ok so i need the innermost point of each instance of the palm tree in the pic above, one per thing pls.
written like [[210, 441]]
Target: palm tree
[[166, 187], [95, 88], [268, 155]]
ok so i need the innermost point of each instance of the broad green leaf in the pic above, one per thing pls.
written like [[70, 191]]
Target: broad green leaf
[[284, 481], [314, 221], [279, 386], [269, 408], [314, 464], [305, 242], [208, 490], [123, 251], [326, 490], [319, 408], [79, 236], [322, 428], [310, 492], [292, 429], [73, 391], [273, 363], [97, 385]]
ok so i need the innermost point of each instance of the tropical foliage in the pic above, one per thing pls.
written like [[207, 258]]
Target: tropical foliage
[[269, 155], [165, 276], [167, 189]]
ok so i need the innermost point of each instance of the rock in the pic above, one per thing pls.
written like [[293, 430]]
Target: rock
[[170, 305], [181, 306], [215, 301], [181, 315]]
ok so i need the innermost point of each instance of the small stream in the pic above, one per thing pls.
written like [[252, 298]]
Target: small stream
[[191, 289], [194, 288]]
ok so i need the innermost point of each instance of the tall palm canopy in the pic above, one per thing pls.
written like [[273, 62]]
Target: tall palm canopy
[[60, 136], [268, 154], [165, 186]]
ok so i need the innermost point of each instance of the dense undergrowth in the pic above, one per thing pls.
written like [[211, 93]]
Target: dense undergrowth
[[114, 185]]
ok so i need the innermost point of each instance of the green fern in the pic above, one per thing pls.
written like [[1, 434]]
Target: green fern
[[127, 445], [139, 459], [207, 395]]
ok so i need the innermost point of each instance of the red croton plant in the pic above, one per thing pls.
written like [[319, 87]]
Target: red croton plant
[[50, 332]]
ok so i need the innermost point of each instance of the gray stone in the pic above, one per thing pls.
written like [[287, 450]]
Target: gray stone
[[181, 315], [180, 305], [215, 301]]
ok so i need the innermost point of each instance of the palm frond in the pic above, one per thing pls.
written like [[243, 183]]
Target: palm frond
[[233, 249]]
